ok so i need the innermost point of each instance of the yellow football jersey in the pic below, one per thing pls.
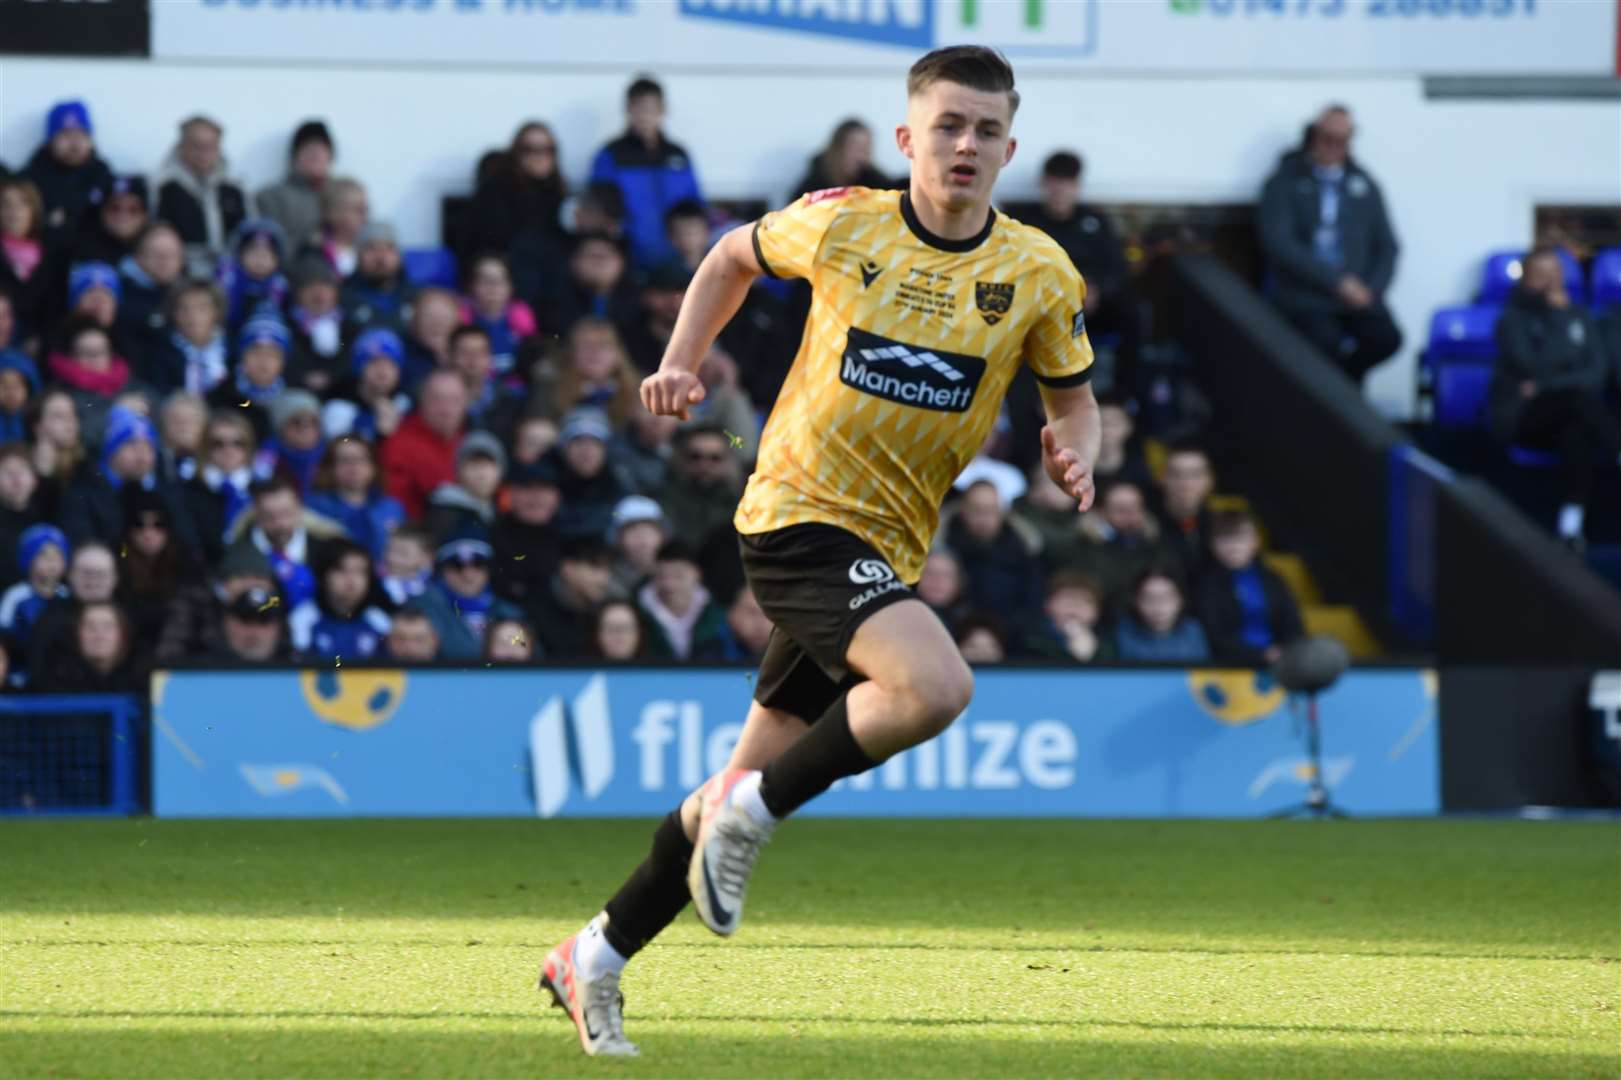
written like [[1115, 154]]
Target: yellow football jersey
[[911, 343]]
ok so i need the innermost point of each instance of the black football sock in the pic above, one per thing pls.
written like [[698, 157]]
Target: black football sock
[[655, 892], [828, 752]]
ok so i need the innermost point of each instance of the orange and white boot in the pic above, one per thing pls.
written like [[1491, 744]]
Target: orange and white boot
[[594, 1004]]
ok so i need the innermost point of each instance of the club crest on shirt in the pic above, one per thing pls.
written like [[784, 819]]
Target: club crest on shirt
[[993, 300]]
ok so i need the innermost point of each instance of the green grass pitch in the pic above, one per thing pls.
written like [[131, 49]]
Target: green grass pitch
[[1110, 949]]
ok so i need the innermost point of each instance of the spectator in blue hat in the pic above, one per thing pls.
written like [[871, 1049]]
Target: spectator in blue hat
[[348, 489], [459, 601], [66, 168], [109, 234], [370, 403], [259, 381], [295, 203], [42, 556], [295, 445], [93, 508], [22, 504], [19, 384], [31, 269], [90, 369], [147, 277], [93, 292], [250, 275], [317, 362], [377, 293], [196, 196]]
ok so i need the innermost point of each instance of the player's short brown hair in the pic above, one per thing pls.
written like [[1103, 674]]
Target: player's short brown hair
[[973, 66]]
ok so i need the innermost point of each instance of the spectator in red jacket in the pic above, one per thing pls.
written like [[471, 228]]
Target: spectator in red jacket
[[421, 454]]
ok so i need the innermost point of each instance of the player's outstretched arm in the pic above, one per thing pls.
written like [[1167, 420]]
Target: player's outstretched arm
[[716, 292], [1071, 439]]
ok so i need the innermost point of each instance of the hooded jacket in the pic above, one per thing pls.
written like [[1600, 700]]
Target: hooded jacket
[[205, 210]]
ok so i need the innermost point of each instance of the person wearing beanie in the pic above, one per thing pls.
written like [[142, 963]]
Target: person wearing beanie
[[196, 196], [250, 275], [639, 531], [93, 291], [22, 504], [42, 557], [459, 601], [471, 500], [295, 446], [194, 625], [147, 277], [317, 362], [19, 385], [259, 382], [109, 234], [93, 508], [377, 293], [525, 538], [66, 169], [295, 202], [370, 403], [590, 489]]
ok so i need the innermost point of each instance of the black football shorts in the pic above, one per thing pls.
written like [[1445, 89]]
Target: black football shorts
[[817, 584]]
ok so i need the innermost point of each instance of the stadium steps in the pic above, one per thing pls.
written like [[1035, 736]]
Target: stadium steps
[[1342, 622], [1292, 569]]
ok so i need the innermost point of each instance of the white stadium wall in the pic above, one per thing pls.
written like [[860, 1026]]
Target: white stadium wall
[[1461, 177]]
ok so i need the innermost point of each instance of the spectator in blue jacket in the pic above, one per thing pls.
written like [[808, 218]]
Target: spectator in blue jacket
[[337, 622], [459, 601], [1158, 628], [348, 489], [1246, 610], [652, 172], [19, 383], [42, 555]]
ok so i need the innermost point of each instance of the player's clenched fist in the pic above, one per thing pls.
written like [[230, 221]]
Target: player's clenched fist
[[671, 393]]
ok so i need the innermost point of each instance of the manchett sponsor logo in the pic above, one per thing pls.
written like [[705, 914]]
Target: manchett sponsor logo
[[910, 375]]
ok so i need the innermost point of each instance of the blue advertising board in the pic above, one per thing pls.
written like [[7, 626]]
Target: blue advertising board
[[632, 742]]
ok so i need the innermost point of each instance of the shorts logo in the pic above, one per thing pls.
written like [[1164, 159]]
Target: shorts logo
[[993, 301], [910, 374], [867, 571]]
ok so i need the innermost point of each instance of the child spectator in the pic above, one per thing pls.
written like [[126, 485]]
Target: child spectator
[[196, 355], [596, 372], [686, 226], [196, 196], [618, 632], [147, 278], [1247, 611], [436, 314], [490, 306], [58, 447], [93, 292], [30, 271], [92, 372], [347, 490], [1070, 629], [180, 432], [981, 638], [459, 600], [525, 540], [66, 169], [250, 277], [639, 532], [652, 172], [103, 660], [470, 502], [1002, 573], [109, 235], [687, 618], [19, 382], [412, 638], [509, 641], [295, 203], [21, 504], [294, 449], [376, 294], [1187, 486], [259, 381], [92, 578], [315, 320], [344, 211], [517, 190], [407, 563], [1157, 628], [590, 489], [421, 454], [42, 557], [370, 404], [219, 493], [337, 623]]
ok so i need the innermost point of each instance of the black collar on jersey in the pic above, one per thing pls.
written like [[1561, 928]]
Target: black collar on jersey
[[909, 215]]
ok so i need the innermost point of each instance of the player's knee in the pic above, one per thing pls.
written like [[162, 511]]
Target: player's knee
[[932, 699]]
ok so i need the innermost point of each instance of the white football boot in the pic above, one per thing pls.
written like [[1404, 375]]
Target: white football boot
[[723, 856]]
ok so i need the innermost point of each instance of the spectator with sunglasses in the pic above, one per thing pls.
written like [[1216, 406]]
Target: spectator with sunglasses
[[459, 601], [701, 493]]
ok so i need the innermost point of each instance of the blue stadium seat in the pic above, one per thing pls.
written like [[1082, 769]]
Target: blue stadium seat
[[430, 266], [1464, 333], [1460, 393], [1607, 279], [1503, 270]]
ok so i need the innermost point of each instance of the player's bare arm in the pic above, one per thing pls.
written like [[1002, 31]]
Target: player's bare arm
[[1070, 440], [716, 292]]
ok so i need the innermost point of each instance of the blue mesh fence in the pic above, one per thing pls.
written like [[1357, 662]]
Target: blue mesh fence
[[71, 754]]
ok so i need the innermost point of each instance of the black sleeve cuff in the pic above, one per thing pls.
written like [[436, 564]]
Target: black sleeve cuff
[[1066, 382], [759, 256]]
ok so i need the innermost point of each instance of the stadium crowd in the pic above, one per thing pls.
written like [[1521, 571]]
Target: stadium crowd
[[231, 427]]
